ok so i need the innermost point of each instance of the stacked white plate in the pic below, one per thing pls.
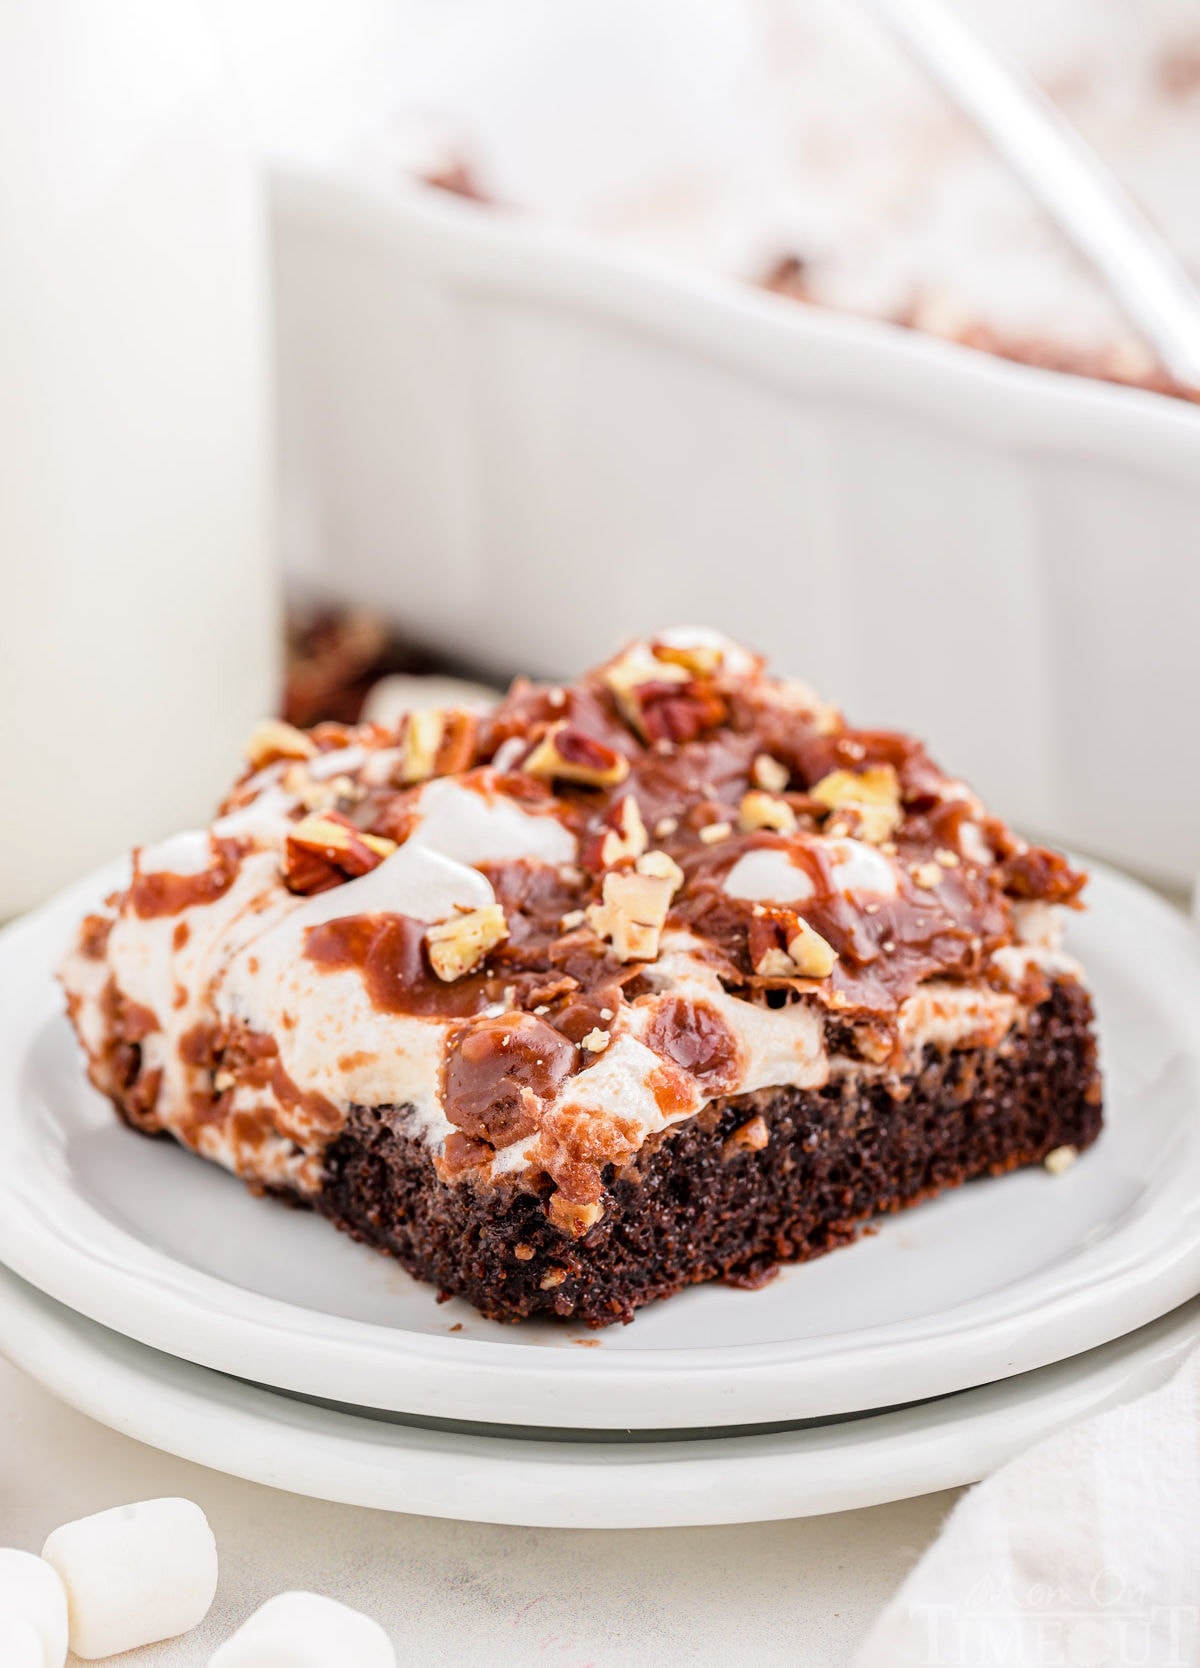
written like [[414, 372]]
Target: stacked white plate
[[148, 1289]]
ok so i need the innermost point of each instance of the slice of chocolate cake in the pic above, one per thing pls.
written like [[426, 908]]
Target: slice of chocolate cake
[[663, 977]]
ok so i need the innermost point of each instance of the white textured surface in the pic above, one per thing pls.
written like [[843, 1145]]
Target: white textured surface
[[135, 1573], [799, 1594]]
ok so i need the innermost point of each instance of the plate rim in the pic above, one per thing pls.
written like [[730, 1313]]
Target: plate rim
[[120, 1282], [255, 1433]]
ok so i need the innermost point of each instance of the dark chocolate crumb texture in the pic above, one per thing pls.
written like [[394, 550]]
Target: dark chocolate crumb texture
[[665, 976]]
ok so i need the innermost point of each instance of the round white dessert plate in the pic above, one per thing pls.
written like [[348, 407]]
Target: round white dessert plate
[[991, 1280], [568, 1482]]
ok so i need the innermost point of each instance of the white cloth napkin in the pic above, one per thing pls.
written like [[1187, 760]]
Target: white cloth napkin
[[1084, 1551]]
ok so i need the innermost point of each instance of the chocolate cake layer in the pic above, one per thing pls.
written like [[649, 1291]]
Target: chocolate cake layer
[[708, 1204]]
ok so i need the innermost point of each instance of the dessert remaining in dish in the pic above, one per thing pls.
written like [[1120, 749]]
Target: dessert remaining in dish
[[665, 976], [805, 147]]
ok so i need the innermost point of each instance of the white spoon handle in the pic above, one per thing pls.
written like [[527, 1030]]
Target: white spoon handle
[[1060, 169]]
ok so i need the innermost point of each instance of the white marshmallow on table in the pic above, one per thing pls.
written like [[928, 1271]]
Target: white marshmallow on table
[[21, 1645], [31, 1593], [304, 1630], [134, 1575]]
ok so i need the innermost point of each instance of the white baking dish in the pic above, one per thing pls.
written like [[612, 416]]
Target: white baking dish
[[526, 447]]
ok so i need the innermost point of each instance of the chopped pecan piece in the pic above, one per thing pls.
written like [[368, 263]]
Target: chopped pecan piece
[[435, 742], [573, 1219], [870, 798], [783, 946], [316, 795], [699, 660], [273, 739], [1059, 1159], [457, 946], [928, 876], [679, 712], [813, 955], [457, 749], [628, 838], [752, 1136], [663, 692], [764, 810], [568, 754], [632, 914], [633, 671], [322, 851], [1033, 872], [420, 738], [769, 774], [662, 867]]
